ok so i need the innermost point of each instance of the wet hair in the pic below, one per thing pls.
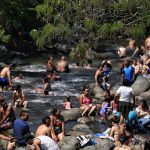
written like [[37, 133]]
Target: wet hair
[[145, 103], [123, 138], [29, 136], [17, 87], [99, 66], [106, 58], [46, 120], [46, 80], [125, 82], [67, 98], [12, 65], [54, 111], [107, 91], [23, 113], [45, 92]]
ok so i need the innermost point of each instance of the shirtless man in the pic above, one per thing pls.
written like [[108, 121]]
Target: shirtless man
[[44, 128], [62, 65], [5, 76]]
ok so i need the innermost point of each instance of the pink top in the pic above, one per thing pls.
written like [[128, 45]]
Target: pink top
[[114, 106], [67, 105], [86, 100]]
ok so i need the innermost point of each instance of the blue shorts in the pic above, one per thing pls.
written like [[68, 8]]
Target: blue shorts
[[4, 82]]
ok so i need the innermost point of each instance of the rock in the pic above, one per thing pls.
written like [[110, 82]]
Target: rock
[[146, 95], [69, 143], [97, 90], [140, 85], [18, 61], [103, 144], [92, 147], [71, 114], [82, 128], [98, 96], [148, 77], [85, 120], [91, 85], [137, 100], [115, 88], [136, 147], [75, 133], [2, 65]]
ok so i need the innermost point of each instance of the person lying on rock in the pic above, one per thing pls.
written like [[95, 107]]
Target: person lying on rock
[[86, 105]]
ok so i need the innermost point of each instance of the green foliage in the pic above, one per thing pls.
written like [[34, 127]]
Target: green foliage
[[3, 37]]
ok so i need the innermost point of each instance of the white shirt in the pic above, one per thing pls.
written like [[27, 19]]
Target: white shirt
[[125, 93], [47, 143]]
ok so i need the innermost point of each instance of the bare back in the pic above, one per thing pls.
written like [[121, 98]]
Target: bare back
[[42, 130], [5, 72]]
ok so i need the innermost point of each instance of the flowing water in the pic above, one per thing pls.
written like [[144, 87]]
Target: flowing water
[[71, 84]]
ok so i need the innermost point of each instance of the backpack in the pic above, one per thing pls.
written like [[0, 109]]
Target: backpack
[[84, 141]]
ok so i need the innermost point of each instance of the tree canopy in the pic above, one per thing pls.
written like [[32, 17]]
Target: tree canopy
[[74, 22]]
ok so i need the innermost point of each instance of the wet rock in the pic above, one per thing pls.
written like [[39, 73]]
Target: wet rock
[[83, 128], [140, 85], [97, 90], [115, 87], [137, 147], [91, 85], [18, 61], [75, 133], [85, 120], [146, 95], [92, 147], [148, 77], [69, 143], [98, 96], [103, 144], [2, 65], [71, 114]]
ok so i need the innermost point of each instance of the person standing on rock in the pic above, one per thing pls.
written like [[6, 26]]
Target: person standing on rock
[[5, 76], [128, 72], [125, 95]]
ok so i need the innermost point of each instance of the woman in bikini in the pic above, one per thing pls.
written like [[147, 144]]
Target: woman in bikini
[[86, 103], [57, 125]]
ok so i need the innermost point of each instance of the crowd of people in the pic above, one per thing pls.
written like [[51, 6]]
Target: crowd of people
[[119, 109]]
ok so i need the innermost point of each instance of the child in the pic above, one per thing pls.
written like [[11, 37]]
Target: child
[[67, 103], [18, 99]]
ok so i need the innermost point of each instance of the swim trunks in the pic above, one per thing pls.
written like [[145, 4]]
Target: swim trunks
[[4, 82]]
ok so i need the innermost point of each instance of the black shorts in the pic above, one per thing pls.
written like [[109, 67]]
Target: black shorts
[[124, 107]]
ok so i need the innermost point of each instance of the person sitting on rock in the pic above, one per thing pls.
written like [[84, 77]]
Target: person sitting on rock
[[18, 98], [7, 116], [67, 103], [44, 128], [19, 77], [57, 125], [86, 103], [63, 65]]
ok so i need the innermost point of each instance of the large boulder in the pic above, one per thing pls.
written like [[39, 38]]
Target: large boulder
[[83, 128], [85, 120], [71, 114], [115, 87], [97, 90], [148, 77], [146, 95], [18, 61], [75, 133], [69, 143], [140, 85], [103, 144]]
